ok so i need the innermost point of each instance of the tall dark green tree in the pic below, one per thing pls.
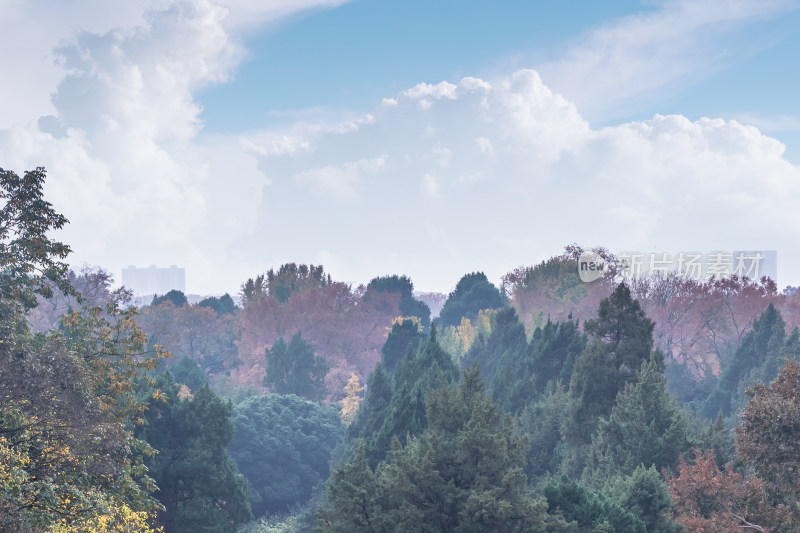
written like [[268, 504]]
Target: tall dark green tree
[[293, 369], [474, 292], [501, 355], [621, 340], [199, 485], [645, 427], [283, 446], [404, 336], [592, 512], [757, 360], [464, 473], [430, 368], [188, 372], [409, 306]]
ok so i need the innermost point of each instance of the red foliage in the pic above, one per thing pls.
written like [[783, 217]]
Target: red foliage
[[708, 500], [346, 327]]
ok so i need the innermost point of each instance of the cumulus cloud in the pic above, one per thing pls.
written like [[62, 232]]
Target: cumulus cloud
[[439, 180], [507, 161]]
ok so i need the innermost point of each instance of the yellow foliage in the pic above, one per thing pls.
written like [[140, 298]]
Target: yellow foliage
[[352, 399]]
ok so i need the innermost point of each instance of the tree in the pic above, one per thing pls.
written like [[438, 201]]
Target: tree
[[188, 373], [409, 306], [293, 369], [404, 336], [351, 400], [283, 445], [590, 511], [706, 499], [645, 427], [199, 484], [30, 261], [175, 297], [463, 473], [430, 368], [223, 305], [68, 461], [500, 356], [768, 438], [756, 359], [621, 341], [474, 292]]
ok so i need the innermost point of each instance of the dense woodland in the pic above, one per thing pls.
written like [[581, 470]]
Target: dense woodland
[[540, 403]]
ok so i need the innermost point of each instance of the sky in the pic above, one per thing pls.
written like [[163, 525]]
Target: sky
[[380, 137]]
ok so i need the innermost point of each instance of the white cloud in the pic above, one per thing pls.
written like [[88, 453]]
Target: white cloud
[[640, 57], [523, 166], [440, 180]]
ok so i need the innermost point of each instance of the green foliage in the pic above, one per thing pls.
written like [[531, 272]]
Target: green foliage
[[645, 427], [463, 474], [224, 305], [199, 485], [175, 297], [293, 369], [283, 445], [757, 360], [645, 494], [474, 292], [621, 341], [428, 369], [767, 439], [501, 355], [685, 386], [189, 373], [404, 337], [541, 422], [30, 262], [409, 306], [554, 349], [592, 511], [289, 278], [718, 438]]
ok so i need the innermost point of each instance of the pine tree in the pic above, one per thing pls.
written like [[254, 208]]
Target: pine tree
[[645, 427], [199, 485], [293, 369], [463, 473], [622, 339]]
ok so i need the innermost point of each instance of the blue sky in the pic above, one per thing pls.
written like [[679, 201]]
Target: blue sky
[[421, 138]]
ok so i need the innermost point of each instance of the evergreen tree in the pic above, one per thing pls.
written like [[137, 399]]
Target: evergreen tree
[[554, 348], [591, 511], [645, 427], [429, 368], [462, 474], [541, 421], [224, 305], [293, 369], [405, 336], [283, 446], [502, 358], [189, 373], [645, 494], [199, 485], [756, 360], [175, 297], [409, 306], [474, 292], [622, 339]]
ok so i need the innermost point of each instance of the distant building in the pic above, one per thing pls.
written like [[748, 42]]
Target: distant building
[[154, 280]]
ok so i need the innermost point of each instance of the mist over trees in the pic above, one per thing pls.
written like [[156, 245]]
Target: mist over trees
[[539, 404]]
